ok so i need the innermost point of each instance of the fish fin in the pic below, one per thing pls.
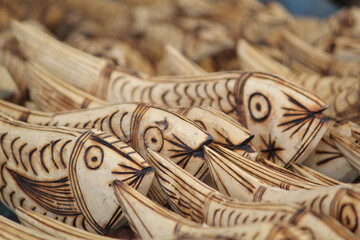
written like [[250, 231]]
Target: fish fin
[[54, 196]]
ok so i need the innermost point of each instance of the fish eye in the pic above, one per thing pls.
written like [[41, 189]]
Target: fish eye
[[94, 157], [259, 107], [154, 139]]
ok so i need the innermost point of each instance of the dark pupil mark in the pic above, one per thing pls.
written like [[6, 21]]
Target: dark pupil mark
[[94, 159], [153, 140], [259, 100]]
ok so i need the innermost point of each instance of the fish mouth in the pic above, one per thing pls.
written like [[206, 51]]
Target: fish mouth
[[245, 145]]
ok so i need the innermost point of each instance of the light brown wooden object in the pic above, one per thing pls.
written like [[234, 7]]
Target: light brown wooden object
[[317, 59], [314, 175], [8, 87], [261, 102], [334, 201], [329, 159], [45, 90], [150, 221], [195, 200], [121, 52], [66, 173], [264, 173], [341, 94], [54, 228], [288, 172], [10, 230]]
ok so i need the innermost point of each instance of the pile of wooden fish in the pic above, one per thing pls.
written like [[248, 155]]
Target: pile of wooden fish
[[185, 119]]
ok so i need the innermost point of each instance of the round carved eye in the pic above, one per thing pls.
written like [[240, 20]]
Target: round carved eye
[[153, 138], [94, 157], [348, 216], [259, 107]]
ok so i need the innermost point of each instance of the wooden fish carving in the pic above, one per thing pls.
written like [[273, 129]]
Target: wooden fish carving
[[45, 89], [196, 201], [65, 173], [341, 94], [285, 118], [340, 202], [151, 221]]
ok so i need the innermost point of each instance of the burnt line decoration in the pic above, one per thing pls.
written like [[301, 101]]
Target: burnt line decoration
[[224, 129], [150, 221], [267, 175], [270, 150], [66, 172], [196, 201], [330, 159], [228, 91], [314, 175], [340, 93], [52, 227], [139, 125], [321, 200]]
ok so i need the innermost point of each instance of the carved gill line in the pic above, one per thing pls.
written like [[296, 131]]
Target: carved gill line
[[134, 125], [75, 185]]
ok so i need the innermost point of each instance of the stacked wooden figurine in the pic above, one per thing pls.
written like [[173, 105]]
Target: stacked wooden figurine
[[181, 119]]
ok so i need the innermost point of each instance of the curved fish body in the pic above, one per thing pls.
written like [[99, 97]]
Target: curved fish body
[[341, 202], [45, 89], [65, 173], [10, 230], [151, 221], [286, 119], [140, 125], [341, 94], [197, 201], [44, 224]]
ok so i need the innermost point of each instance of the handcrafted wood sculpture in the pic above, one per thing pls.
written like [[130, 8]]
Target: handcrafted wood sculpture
[[197, 201], [139, 125], [342, 97], [341, 94], [45, 89], [340, 202], [10, 230], [270, 117], [66, 172], [54, 228], [151, 221]]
